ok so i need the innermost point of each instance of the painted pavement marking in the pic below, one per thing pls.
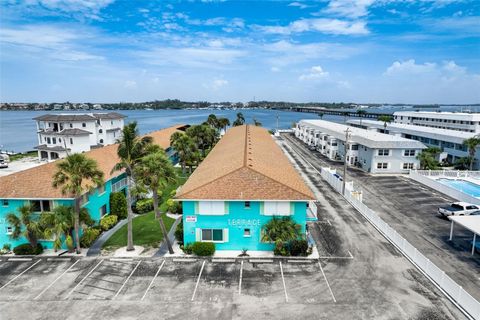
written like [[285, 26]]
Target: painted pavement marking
[[126, 280], [241, 276], [328, 284], [151, 282], [33, 265], [81, 281], [283, 280], [198, 280], [54, 281]]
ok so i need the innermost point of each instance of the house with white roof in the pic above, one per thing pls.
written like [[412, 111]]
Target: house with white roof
[[457, 121], [369, 150]]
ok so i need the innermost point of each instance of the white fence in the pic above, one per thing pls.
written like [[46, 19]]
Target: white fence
[[422, 176], [462, 298]]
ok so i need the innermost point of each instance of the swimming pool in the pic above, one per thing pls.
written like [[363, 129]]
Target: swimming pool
[[467, 187]]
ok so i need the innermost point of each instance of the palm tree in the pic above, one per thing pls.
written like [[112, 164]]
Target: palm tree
[[184, 146], [212, 121], [280, 229], [155, 171], [256, 123], [71, 176], [223, 123], [31, 226], [203, 136], [60, 222], [472, 144], [385, 119], [131, 148], [240, 120], [427, 160], [193, 159]]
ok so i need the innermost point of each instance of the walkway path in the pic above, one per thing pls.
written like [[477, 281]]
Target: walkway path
[[96, 247], [171, 235]]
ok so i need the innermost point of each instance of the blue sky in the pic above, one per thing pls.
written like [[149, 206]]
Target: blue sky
[[398, 51]]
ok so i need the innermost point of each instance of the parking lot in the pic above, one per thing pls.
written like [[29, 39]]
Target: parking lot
[[329, 288], [411, 209]]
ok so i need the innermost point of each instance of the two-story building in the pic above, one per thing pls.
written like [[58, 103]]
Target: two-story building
[[369, 150], [243, 183], [61, 134], [456, 121], [34, 187]]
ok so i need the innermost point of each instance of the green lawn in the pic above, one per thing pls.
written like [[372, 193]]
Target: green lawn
[[24, 155], [146, 229], [146, 232]]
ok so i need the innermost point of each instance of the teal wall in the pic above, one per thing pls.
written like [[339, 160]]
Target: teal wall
[[237, 219], [95, 202]]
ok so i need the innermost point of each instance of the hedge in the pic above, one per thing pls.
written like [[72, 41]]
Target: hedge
[[203, 248], [26, 249], [179, 233], [144, 206], [118, 205], [88, 237], [108, 222]]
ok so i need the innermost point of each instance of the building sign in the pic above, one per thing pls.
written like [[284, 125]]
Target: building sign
[[191, 219], [244, 222]]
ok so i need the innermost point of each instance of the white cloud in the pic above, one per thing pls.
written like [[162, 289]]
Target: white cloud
[[77, 8], [349, 8], [215, 84], [315, 73], [409, 67], [130, 84], [298, 4], [323, 25], [275, 69]]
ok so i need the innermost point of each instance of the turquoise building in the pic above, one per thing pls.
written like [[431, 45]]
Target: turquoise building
[[243, 183], [34, 187]]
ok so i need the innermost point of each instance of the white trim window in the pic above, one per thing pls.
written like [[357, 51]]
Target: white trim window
[[9, 230], [212, 235], [276, 208], [383, 152], [214, 208], [409, 153], [382, 165], [408, 165]]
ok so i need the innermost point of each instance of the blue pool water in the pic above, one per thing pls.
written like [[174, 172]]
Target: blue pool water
[[467, 187]]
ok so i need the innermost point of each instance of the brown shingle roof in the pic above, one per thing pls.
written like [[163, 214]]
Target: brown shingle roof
[[246, 164], [36, 183]]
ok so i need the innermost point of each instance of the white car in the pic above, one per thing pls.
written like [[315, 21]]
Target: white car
[[459, 209]]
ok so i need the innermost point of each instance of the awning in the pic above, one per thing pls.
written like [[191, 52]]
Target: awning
[[471, 223]]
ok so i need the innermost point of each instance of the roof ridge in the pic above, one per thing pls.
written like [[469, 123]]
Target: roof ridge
[[245, 147], [283, 184]]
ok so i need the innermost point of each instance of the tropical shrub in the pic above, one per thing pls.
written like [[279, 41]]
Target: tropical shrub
[[179, 232], [6, 248], [188, 249], [69, 243], [27, 249], [107, 222], [280, 249], [280, 229], [298, 247], [203, 248], [174, 206], [144, 206], [89, 236], [118, 205]]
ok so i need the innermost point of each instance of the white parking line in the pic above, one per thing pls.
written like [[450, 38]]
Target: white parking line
[[335, 257], [51, 284], [78, 284], [20, 259], [240, 281], [33, 265], [283, 280], [350, 254], [328, 285], [126, 280], [151, 283], [198, 280]]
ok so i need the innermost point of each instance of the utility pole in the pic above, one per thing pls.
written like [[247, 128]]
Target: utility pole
[[347, 137]]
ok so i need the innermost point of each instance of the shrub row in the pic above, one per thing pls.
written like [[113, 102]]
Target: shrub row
[[200, 248], [118, 205], [26, 249], [144, 206], [179, 233], [297, 247], [89, 236], [108, 222]]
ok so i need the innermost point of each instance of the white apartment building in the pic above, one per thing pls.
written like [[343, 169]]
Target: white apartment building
[[62, 134], [450, 142], [369, 150], [458, 121]]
